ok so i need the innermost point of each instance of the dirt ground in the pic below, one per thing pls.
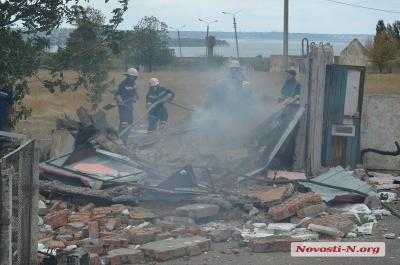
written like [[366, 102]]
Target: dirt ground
[[221, 255], [189, 86]]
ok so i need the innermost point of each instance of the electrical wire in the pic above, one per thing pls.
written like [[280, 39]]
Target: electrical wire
[[364, 7]]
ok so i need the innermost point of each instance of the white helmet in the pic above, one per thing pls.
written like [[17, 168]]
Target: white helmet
[[132, 72], [154, 82], [234, 64]]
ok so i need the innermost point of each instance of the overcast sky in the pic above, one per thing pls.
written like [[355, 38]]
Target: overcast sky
[[306, 16]]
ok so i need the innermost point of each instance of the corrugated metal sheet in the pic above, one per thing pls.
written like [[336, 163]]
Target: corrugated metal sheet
[[340, 178]]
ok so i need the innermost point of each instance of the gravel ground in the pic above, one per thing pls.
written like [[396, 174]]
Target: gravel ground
[[221, 254]]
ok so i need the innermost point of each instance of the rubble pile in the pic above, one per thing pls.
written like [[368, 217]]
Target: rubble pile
[[263, 218], [171, 196]]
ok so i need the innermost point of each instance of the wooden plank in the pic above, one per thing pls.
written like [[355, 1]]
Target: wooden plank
[[320, 56]]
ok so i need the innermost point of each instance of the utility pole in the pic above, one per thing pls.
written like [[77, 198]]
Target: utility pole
[[286, 36], [236, 37], [179, 43], [179, 38], [207, 22], [235, 30]]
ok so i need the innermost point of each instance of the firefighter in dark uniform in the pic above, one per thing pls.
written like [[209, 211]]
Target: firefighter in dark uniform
[[126, 96], [291, 87], [155, 99]]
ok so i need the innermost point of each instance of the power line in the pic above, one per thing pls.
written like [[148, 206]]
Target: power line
[[364, 7]]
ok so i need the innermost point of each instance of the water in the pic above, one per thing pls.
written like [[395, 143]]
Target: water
[[254, 47]]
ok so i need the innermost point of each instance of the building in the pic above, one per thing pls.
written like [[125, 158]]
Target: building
[[354, 54]]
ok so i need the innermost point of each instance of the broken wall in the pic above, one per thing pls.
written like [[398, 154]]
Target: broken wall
[[380, 129]]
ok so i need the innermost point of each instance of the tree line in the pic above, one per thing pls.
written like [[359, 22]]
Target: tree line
[[89, 51], [384, 48]]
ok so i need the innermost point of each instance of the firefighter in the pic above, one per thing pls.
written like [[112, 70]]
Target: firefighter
[[155, 99], [126, 97], [231, 93], [291, 87]]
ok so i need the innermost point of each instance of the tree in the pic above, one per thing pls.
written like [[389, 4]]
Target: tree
[[149, 41], [380, 27], [23, 25], [88, 52], [382, 51]]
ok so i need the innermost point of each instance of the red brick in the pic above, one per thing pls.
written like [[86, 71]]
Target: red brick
[[292, 205], [57, 219]]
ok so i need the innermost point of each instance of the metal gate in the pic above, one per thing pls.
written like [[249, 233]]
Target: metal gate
[[18, 206], [342, 114]]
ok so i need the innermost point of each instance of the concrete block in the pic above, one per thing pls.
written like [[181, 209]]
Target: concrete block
[[124, 256], [271, 244], [174, 248], [198, 211], [325, 230]]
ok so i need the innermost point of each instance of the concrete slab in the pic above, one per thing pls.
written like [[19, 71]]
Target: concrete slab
[[174, 248]]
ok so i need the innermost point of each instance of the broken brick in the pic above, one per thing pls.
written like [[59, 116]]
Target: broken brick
[[339, 221], [311, 210], [57, 219], [272, 196], [289, 207]]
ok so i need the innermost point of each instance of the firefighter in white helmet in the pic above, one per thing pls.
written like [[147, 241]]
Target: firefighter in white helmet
[[126, 97], [230, 93], [155, 99]]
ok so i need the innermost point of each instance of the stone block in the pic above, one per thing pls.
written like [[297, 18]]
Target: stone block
[[174, 248]]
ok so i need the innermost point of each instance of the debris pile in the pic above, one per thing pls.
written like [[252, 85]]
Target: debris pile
[[162, 200]]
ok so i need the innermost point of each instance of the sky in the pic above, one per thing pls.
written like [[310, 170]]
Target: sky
[[305, 16]]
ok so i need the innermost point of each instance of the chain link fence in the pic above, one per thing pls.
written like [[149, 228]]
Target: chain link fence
[[19, 182]]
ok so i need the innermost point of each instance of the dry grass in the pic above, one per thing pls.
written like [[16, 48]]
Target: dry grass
[[388, 84], [189, 86]]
